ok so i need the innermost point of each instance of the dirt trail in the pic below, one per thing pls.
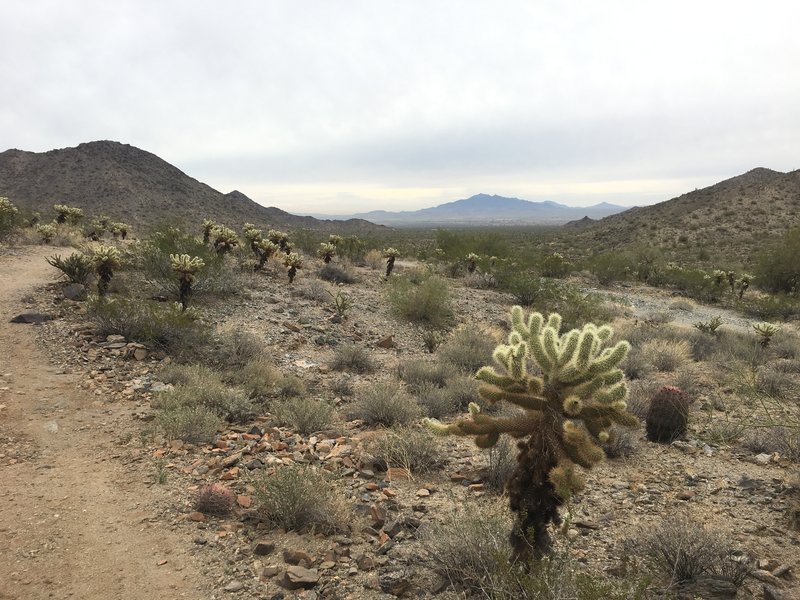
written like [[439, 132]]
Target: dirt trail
[[73, 523]]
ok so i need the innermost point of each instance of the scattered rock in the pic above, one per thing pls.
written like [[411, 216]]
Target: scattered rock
[[32, 317], [296, 577], [234, 586]]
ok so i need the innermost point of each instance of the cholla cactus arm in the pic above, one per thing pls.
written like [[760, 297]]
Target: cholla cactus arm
[[224, 239]]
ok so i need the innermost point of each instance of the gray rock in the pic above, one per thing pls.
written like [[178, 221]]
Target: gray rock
[[234, 586], [296, 577], [74, 291], [32, 317]]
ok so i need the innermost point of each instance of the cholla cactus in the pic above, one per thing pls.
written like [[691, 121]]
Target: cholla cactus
[[472, 262], [571, 390], [264, 249], [334, 239], [326, 252], [719, 277], [765, 331], [279, 238], [186, 267], [224, 239], [731, 277], [390, 254], [252, 235], [293, 261], [208, 225], [104, 260], [744, 281], [47, 231], [8, 214], [67, 214], [119, 230]]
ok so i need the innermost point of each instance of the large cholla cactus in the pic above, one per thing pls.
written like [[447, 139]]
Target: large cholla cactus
[[186, 267], [67, 214], [223, 239], [105, 259], [572, 391], [47, 231], [252, 235], [264, 249], [278, 237]]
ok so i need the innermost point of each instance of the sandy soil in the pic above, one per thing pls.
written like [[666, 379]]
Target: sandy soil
[[73, 523]]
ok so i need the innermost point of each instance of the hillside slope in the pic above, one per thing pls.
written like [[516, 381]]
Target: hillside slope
[[728, 221], [137, 187]]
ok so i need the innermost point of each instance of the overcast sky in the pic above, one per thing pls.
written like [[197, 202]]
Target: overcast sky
[[328, 106]]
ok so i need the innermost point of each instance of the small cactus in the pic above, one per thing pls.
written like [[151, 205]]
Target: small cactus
[[334, 239], [326, 252], [214, 499], [765, 331], [208, 225], [252, 235], [667, 415], [278, 237], [744, 281], [186, 267], [293, 261], [47, 231], [104, 260], [119, 230], [67, 214], [472, 262], [264, 249], [390, 254]]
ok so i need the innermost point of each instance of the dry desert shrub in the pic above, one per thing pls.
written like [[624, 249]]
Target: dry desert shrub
[[303, 414], [419, 373], [383, 404], [374, 260], [407, 448], [667, 355], [468, 348], [192, 424], [349, 357], [312, 289], [300, 499]]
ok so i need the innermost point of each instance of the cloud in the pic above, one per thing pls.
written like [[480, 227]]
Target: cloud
[[440, 96]]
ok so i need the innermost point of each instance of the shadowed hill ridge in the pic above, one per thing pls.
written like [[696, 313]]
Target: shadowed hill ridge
[[135, 186], [732, 219]]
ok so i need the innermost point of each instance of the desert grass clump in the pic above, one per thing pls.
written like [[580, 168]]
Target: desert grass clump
[[428, 304], [436, 402], [419, 373], [77, 267], [768, 440], [258, 377], [336, 274], [290, 386], [468, 348], [383, 404], [311, 289], [214, 499], [571, 391], [374, 259], [683, 550], [300, 499], [349, 357], [666, 355], [407, 448], [303, 414], [192, 424]]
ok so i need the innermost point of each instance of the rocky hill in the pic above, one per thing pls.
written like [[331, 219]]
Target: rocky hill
[[731, 220], [137, 187]]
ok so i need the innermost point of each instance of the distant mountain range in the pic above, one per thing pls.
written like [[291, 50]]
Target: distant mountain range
[[485, 209], [134, 186]]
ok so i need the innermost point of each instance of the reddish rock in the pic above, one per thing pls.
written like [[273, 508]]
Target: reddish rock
[[296, 577]]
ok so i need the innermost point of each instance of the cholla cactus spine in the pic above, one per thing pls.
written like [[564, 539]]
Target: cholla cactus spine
[[326, 251], [186, 267], [572, 390], [105, 259]]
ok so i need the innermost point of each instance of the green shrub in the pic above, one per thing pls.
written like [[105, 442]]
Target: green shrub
[[77, 267], [258, 378], [227, 403], [778, 269], [349, 357], [300, 499], [428, 303], [303, 414], [290, 386], [193, 424], [611, 266], [163, 326], [383, 404]]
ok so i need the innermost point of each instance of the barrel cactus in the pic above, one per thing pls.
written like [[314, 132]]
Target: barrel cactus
[[572, 391], [667, 415]]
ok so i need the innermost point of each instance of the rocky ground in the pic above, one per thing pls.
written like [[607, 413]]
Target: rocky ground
[[94, 501]]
